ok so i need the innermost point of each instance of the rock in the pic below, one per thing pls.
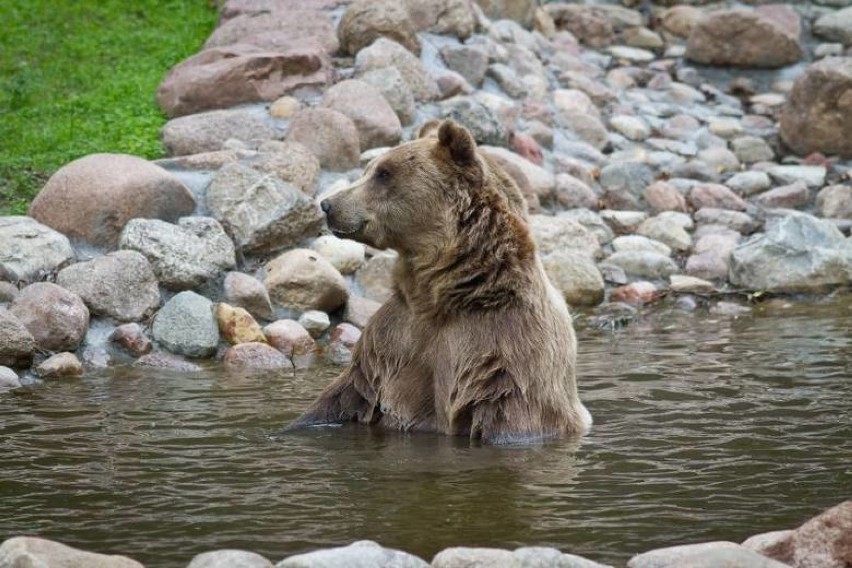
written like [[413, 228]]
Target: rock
[[520, 11], [229, 559], [575, 276], [822, 541], [8, 379], [390, 83], [527, 147], [315, 322], [787, 196], [120, 285], [683, 284], [722, 308], [364, 553], [17, 344], [816, 117], [387, 53], [592, 223], [183, 256], [623, 221], [741, 222], [375, 278], [376, 121], [359, 310], [663, 196], [796, 253], [631, 54], [290, 337], [541, 557], [749, 183], [255, 357], [288, 161], [742, 38], [227, 76], [8, 292], [469, 61], [344, 254], [711, 257], [276, 27], [247, 292], [459, 557], [750, 149], [284, 107], [721, 159], [835, 26], [444, 17], [704, 554], [330, 135], [166, 361], [39, 552], [60, 365], [589, 24], [812, 176], [367, 20], [343, 339], [716, 196], [57, 318], [769, 542], [835, 202], [571, 193], [585, 128], [666, 230], [92, 198], [561, 233], [303, 280], [539, 179], [186, 326], [640, 243], [30, 250], [623, 183], [237, 326], [208, 131], [642, 38], [635, 294], [725, 127], [631, 127], [679, 20], [131, 337], [263, 213], [643, 264], [485, 126]]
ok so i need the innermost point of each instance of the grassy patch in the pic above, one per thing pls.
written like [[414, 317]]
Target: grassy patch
[[79, 76]]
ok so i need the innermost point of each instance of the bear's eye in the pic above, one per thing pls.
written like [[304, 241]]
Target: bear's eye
[[383, 174]]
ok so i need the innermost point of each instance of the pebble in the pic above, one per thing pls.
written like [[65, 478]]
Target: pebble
[[749, 183], [682, 283], [813, 176], [315, 322]]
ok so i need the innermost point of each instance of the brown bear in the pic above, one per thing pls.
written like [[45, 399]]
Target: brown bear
[[475, 340]]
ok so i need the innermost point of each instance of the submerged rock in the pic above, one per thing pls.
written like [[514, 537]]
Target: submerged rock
[[166, 361], [796, 253], [29, 250]]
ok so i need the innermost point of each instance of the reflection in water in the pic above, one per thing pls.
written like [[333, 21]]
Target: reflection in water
[[704, 429]]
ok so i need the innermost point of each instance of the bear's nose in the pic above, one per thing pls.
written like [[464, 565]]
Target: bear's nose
[[325, 205]]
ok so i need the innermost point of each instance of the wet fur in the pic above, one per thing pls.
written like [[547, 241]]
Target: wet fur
[[475, 341]]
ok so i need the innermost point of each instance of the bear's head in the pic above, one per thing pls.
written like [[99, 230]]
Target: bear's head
[[410, 198]]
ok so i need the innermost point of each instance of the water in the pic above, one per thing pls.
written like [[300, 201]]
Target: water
[[706, 428]]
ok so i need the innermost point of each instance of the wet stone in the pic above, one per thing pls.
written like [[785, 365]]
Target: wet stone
[[131, 337], [289, 337], [254, 356], [60, 365], [166, 361]]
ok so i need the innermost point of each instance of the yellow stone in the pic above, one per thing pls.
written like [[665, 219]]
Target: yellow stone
[[237, 326]]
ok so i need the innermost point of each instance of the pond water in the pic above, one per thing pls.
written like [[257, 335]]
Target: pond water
[[706, 428]]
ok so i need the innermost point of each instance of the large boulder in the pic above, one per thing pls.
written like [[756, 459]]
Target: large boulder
[[330, 135], [560, 233], [30, 250], [263, 213], [367, 20], [277, 27], [186, 326], [743, 38], [388, 53], [222, 77], [796, 253], [817, 116], [208, 131], [288, 161], [92, 198], [56, 318], [17, 344], [302, 279], [390, 83], [184, 256], [377, 123], [835, 26], [576, 277], [39, 552], [120, 285]]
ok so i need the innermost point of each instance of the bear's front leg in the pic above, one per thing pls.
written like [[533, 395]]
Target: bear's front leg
[[349, 398]]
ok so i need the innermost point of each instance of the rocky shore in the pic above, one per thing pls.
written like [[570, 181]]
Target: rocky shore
[[821, 542], [684, 151]]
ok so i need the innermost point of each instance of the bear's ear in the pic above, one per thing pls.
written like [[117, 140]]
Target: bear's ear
[[429, 128], [458, 142]]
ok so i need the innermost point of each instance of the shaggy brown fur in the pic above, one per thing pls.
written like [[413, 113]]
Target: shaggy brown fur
[[475, 341]]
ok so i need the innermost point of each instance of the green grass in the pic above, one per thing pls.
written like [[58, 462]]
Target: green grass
[[79, 76]]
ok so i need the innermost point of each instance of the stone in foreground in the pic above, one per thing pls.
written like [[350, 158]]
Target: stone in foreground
[[36, 552], [186, 326], [8, 379], [237, 326], [17, 344], [229, 559], [703, 555], [575, 276], [255, 357], [60, 365], [361, 554], [29, 249], [57, 319], [92, 198]]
